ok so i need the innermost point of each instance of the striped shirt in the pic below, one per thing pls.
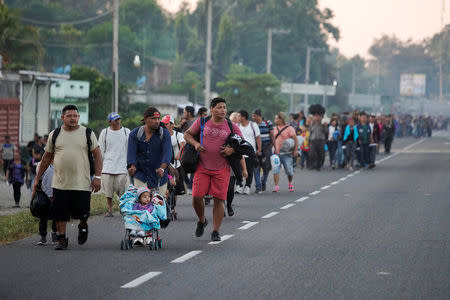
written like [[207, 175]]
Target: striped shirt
[[265, 130]]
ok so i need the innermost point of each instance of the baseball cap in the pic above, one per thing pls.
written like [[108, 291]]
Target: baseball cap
[[168, 119], [257, 112], [113, 116]]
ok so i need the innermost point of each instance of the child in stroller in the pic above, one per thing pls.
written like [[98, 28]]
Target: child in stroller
[[142, 212]]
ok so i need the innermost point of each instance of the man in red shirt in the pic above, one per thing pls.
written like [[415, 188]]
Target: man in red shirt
[[213, 171]]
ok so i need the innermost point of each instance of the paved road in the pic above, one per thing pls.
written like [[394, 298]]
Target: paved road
[[373, 234]]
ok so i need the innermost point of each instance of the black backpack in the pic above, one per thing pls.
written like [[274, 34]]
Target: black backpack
[[89, 143]]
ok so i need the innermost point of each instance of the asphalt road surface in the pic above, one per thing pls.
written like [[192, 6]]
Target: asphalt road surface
[[369, 234]]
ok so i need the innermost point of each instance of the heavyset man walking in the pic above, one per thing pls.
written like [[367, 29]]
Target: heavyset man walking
[[71, 182], [213, 171]]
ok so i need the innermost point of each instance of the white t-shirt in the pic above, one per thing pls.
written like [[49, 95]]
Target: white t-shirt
[[114, 145], [250, 134], [176, 138]]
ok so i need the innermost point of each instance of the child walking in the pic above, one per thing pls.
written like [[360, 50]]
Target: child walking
[[15, 175]]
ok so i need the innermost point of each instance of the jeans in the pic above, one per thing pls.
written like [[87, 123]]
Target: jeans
[[16, 189], [350, 148], [43, 226], [316, 154], [249, 164], [287, 162], [304, 159], [364, 155], [230, 191], [332, 147], [388, 144]]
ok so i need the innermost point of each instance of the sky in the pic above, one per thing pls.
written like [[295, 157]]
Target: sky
[[362, 21]]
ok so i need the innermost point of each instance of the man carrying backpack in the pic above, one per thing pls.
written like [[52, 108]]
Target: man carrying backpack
[[75, 154], [150, 152], [213, 171], [113, 142]]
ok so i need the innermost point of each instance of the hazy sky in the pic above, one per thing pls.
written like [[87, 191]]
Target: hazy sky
[[361, 21]]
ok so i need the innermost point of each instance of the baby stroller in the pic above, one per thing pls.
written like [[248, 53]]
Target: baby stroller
[[141, 220]]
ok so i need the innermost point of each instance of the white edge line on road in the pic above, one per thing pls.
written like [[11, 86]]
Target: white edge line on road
[[270, 215], [350, 175], [185, 257], [334, 182], [223, 238], [248, 225], [287, 206], [325, 187], [302, 199], [314, 193], [140, 280], [357, 172]]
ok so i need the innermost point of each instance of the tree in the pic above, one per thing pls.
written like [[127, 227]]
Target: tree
[[223, 52], [19, 45], [247, 90]]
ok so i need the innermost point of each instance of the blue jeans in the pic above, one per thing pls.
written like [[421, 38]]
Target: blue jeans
[[332, 147], [305, 155], [287, 162]]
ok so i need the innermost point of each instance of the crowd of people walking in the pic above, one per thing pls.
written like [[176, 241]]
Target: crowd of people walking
[[150, 156]]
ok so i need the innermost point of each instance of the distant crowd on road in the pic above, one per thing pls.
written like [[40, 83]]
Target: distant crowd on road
[[233, 152]]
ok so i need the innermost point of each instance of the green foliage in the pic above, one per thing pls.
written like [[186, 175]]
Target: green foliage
[[223, 52], [19, 45], [247, 90]]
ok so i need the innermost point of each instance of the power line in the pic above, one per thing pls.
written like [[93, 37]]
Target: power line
[[76, 22]]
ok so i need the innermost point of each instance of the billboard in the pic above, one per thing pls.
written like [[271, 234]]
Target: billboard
[[412, 84]]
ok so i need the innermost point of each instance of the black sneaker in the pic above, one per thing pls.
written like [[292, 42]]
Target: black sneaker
[[200, 228], [42, 241], [82, 233], [215, 236], [54, 238], [62, 244], [263, 186], [230, 211]]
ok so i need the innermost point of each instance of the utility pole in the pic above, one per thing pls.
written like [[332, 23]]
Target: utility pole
[[208, 55], [269, 51], [308, 58], [353, 79], [270, 32], [115, 60], [441, 75]]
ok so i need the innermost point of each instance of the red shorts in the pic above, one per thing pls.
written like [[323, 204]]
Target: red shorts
[[211, 182]]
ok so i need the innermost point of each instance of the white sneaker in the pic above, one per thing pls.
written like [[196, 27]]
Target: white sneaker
[[247, 190], [133, 232], [141, 233], [138, 242], [238, 189], [189, 192]]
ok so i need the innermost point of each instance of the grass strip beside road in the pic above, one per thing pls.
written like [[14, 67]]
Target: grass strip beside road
[[23, 224]]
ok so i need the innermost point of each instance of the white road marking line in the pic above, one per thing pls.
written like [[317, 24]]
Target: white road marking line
[[140, 280], [270, 215], [302, 199], [325, 187], [412, 145], [384, 273], [357, 172], [343, 179], [185, 257], [287, 206], [334, 182], [223, 238], [314, 193], [248, 225], [350, 175]]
